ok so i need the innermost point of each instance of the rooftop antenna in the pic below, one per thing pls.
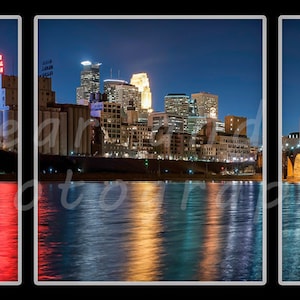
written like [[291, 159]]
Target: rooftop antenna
[[111, 73], [118, 74]]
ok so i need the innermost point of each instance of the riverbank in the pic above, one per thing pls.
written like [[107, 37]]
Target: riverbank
[[81, 168], [8, 177], [110, 176], [291, 180]]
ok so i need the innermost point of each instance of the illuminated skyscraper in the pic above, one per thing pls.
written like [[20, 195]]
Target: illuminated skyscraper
[[120, 91], [207, 104], [89, 82], [141, 81], [178, 104]]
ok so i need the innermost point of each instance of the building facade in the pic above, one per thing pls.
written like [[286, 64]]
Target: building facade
[[63, 129], [178, 104], [8, 112], [141, 81], [236, 125], [120, 91], [207, 104], [89, 82]]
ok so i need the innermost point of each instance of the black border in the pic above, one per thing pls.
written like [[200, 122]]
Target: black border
[[272, 130]]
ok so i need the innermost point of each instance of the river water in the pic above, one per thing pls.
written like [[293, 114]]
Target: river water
[[9, 233], [120, 232], [290, 232]]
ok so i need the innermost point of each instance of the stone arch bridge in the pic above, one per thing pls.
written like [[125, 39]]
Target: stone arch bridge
[[293, 166]]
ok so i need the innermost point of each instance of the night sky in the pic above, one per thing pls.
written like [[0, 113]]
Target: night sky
[[220, 55], [9, 43], [290, 74]]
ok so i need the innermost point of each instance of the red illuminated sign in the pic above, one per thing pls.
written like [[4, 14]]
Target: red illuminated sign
[[1, 64]]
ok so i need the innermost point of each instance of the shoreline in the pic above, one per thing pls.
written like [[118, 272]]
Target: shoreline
[[101, 176], [9, 177], [291, 180], [113, 176]]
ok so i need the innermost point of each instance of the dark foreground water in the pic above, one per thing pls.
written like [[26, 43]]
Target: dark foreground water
[[8, 233], [290, 232], [150, 231]]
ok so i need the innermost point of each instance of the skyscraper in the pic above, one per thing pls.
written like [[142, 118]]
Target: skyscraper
[[89, 82], [122, 92], [207, 104], [141, 81], [178, 104]]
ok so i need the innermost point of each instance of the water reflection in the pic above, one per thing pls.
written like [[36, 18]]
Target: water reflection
[[232, 228], [291, 232], [46, 246], [150, 231], [243, 229], [144, 239], [210, 251], [8, 232]]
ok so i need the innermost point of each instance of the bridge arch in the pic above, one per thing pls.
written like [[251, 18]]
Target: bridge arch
[[293, 166], [297, 166]]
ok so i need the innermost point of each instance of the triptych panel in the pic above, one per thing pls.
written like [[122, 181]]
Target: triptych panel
[[149, 150]]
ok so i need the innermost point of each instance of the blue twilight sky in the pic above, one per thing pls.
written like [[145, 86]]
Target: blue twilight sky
[[220, 55], [9, 44], [290, 75]]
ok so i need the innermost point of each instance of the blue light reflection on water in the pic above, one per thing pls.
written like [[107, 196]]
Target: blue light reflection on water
[[290, 231], [151, 231]]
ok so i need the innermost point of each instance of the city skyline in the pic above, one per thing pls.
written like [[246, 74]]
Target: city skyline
[[9, 44], [222, 56], [290, 74]]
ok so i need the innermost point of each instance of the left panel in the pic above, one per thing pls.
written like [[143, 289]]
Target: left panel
[[10, 149]]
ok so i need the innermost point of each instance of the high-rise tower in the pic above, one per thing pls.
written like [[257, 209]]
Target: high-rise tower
[[89, 82], [122, 92], [178, 104], [141, 81], [207, 104]]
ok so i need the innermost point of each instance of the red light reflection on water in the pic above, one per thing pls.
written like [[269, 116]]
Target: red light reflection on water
[[46, 249], [8, 232]]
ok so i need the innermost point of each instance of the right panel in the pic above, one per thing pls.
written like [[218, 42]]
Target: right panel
[[289, 149]]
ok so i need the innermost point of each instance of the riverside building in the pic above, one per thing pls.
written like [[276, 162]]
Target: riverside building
[[8, 112], [63, 129]]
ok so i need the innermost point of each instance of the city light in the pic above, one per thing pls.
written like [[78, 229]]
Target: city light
[[1, 64], [86, 63]]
